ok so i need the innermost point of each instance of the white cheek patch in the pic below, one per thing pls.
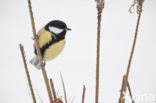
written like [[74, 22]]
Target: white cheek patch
[[55, 30]]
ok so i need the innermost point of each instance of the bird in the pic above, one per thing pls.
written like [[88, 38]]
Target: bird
[[51, 40]]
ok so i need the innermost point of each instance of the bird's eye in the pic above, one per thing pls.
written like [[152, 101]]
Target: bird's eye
[[55, 30]]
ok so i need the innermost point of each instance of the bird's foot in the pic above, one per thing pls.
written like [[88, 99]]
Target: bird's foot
[[42, 65], [35, 37]]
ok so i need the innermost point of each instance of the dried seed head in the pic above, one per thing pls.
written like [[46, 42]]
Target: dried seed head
[[100, 4], [138, 5]]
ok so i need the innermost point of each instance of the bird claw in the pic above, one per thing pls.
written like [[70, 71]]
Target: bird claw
[[42, 65], [35, 37]]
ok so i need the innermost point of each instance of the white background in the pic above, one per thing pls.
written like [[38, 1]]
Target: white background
[[77, 62]]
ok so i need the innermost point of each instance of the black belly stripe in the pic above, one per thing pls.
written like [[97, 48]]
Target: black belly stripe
[[46, 46], [59, 37]]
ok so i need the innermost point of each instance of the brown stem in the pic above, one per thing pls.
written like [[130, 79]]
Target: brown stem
[[130, 92], [98, 57], [134, 42], [47, 85], [83, 95], [53, 90], [39, 53], [27, 73], [64, 89], [124, 87]]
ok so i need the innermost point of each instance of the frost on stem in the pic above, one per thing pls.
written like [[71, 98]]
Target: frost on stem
[[138, 5], [100, 4]]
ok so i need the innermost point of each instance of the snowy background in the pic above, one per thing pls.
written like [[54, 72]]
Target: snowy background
[[77, 61]]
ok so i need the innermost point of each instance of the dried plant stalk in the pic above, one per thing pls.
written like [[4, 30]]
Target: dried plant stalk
[[83, 94], [39, 53], [100, 6], [53, 90], [130, 92], [64, 89], [27, 73], [135, 39], [124, 85]]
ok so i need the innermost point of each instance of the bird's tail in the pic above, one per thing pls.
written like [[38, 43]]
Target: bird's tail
[[35, 61]]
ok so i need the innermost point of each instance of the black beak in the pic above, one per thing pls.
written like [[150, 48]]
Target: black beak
[[68, 29]]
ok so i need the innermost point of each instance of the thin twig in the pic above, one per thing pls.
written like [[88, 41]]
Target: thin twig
[[64, 89], [130, 92], [53, 90], [83, 95], [98, 59], [39, 53], [124, 86], [100, 6], [27, 73]]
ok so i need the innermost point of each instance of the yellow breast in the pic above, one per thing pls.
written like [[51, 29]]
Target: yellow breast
[[44, 37], [54, 50]]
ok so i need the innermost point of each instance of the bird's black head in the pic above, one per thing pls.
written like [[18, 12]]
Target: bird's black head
[[58, 28]]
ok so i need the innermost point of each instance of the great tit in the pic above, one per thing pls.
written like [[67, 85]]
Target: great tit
[[51, 40]]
